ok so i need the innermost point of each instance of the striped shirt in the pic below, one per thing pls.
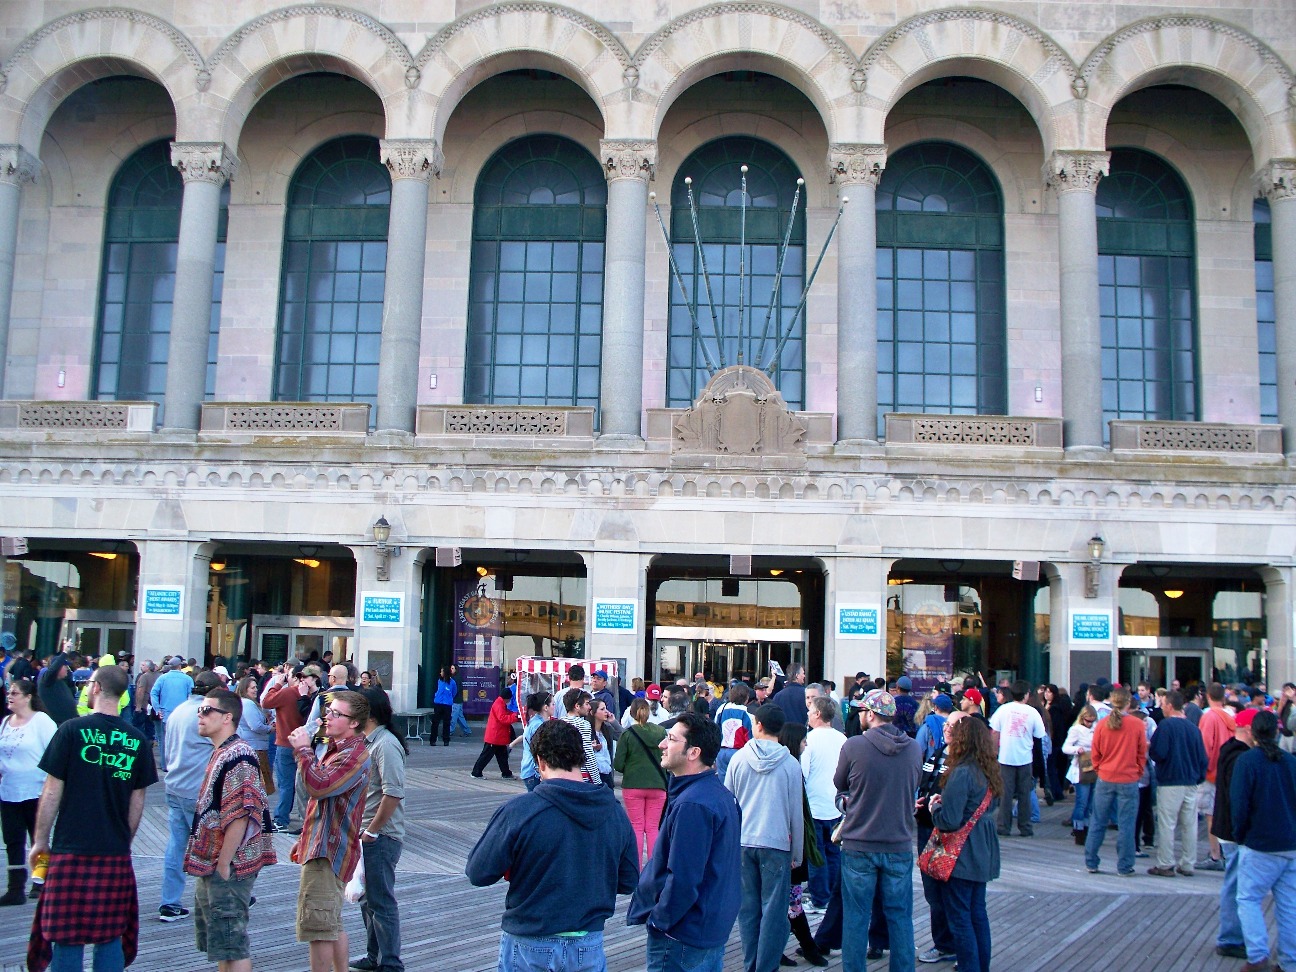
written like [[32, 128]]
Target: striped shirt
[[336, 785]]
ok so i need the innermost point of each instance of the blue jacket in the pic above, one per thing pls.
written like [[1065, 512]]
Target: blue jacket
[[1262, 796], [447, 693], [1178, 752], [688, 889], [567, 851]]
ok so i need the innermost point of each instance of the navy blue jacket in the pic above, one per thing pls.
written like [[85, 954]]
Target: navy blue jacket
[[690, 889], [567, 851], [1262, 796], [1178, 752]]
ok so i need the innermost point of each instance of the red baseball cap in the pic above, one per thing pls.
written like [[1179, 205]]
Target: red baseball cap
[[973, 694], [653, 693], [1246, 717]]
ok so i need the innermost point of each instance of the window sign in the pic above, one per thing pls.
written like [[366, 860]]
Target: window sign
[[859, 621], [1091, 627], [382, 610], [615, 615], [161, 602]]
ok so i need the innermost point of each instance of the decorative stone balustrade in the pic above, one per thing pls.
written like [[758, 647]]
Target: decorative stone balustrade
[[989, 431], [501, 421], [1263, 440], [286, 418], [78, 416]]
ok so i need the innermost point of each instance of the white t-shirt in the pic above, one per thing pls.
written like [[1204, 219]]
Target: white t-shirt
[[21, 749], [1018, 724], [819, 762]]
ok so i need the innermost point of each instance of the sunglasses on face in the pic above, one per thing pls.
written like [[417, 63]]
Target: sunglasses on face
[[209, 709]]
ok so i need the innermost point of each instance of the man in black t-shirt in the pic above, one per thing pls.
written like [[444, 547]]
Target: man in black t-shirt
[[98, 768]]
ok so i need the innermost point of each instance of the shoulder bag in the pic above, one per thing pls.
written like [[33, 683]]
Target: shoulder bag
[[648, 752], [942, 851]]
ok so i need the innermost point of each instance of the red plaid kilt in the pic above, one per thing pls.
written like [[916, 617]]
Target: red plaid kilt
[[85, 901]]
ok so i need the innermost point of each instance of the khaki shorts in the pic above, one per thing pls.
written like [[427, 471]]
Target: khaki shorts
[[319, 903], [1206, 799], [221, 917]]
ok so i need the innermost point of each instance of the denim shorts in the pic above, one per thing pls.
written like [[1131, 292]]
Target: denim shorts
[[319, 902], [221, 917]]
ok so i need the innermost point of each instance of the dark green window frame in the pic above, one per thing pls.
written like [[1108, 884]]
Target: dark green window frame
[[1266, 316], [942, 344], [535, 307], [141, 240], [333, 275], [771, 184], [1146, 291]]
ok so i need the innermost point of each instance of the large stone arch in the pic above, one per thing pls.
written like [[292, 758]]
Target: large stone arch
[[1220, 59], [71, 51], [986, 44], [766, 37], [271, 182], [295, 40], [519, 34]]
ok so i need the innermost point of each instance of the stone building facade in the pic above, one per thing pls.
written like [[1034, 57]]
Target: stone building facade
[[271, 280]]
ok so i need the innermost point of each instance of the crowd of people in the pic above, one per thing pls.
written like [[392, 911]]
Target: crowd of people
[[758, 806]]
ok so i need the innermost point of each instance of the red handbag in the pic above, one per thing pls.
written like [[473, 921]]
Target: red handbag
[[941, 853]]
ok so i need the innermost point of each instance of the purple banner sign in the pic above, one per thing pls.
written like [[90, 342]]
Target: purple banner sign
[[476, 651]]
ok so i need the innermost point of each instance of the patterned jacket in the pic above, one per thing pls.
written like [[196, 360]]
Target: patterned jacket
[[336, 785], [241, 795]]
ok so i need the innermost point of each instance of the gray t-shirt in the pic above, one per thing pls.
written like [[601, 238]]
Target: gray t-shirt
[[386, 778]]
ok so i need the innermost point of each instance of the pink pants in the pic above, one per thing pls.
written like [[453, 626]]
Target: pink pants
[[644, 808]]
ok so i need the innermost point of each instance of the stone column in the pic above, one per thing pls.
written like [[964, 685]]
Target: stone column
[[403, 641], [1074, 177], [1280, 665], [856, 169], [1277, 183], [204, 166], [411, 162], [856, 582], [629, 166], [174, 561], [620, 576], [17, 167]]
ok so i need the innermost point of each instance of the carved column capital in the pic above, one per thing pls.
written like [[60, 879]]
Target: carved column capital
[[212, 162], [856, 164], [17, 166], [628, 159], [411, 158], [1068, 171], [1277, 180]]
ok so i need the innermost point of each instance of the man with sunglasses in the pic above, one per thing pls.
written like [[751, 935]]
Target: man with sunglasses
[[98, 767], [231, 840], [329, 846]]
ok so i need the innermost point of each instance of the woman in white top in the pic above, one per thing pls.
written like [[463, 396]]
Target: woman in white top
[[256, 729], [1079, 742], [24, 734]]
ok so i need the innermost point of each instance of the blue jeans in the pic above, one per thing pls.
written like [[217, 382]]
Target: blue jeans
[[1260, 874], [552, 953], [669, 955], [824, 877], [378, 909], [940, 930], [1230, 928], [531, 782], [1124, 798], [285, 773], [161, 741], [722, 761], [180, 814], [70, 958], [763, 916], [1080, 812], [965, 910], [860, 874], [457, 720]]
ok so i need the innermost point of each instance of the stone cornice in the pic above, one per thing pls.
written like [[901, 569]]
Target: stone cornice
[[17, 166], [1068, 171], [855, 164], [628, 159], [211, 162], [413, 158], [1277, 180]]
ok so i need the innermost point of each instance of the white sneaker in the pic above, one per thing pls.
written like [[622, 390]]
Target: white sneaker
[[810, 908], [935, 955]]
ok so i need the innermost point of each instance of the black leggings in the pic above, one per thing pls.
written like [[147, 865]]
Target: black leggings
[[18, 824], [501, 754], [440, 723]]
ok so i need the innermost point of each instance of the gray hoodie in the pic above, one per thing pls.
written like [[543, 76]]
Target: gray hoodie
[[879, 772], [766, 781]]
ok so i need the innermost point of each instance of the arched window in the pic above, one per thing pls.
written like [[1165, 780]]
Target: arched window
[[535, 314], [940, 290], [334, 264], [715, 169], [1266, 319], [1145, 289], [141, 237]]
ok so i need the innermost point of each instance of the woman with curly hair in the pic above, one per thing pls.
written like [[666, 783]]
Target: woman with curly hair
[[972, 773]]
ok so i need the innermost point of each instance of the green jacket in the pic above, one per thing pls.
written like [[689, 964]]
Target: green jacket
[[640, 770]]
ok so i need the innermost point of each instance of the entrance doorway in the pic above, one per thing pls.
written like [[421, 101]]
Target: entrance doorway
[[679, 655], [97, 633], [1162, 661]]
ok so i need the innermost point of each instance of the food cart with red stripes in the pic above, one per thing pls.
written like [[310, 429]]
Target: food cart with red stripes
[[539, 674]]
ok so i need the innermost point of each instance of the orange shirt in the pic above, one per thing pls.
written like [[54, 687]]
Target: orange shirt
[[1216, 727], [1119, 755]]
